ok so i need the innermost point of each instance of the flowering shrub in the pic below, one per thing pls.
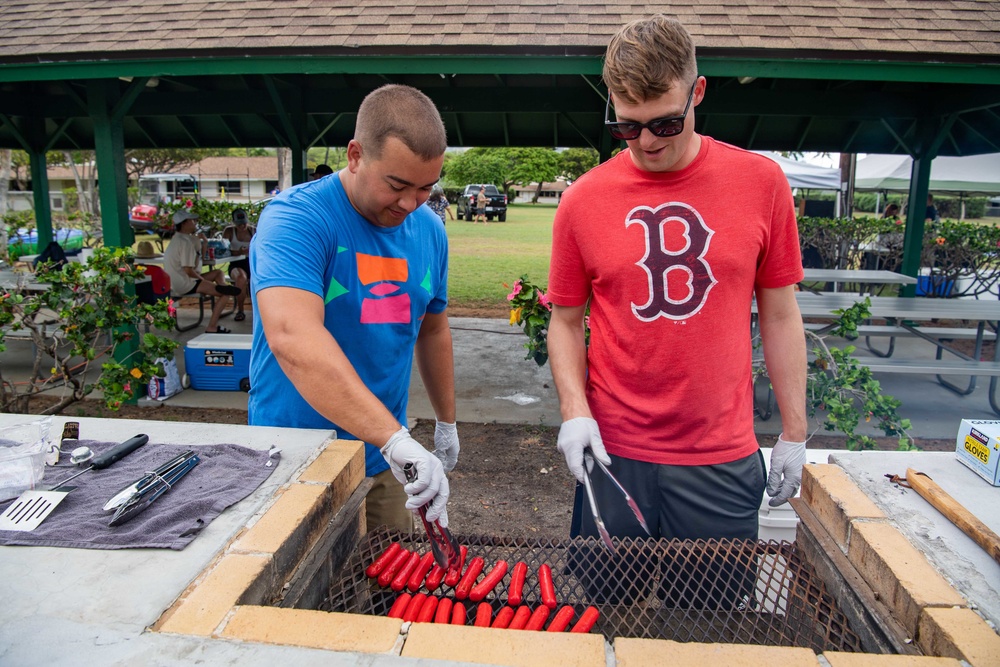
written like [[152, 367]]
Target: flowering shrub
[[88, 312], [530, 309]]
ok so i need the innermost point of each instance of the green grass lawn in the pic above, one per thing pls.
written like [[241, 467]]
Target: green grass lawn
[[482, 258]]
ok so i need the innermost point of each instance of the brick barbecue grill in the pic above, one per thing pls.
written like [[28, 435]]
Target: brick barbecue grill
[[729, 591]]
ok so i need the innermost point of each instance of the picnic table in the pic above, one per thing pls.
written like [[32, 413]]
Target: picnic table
[[916, 317], [865, 279]]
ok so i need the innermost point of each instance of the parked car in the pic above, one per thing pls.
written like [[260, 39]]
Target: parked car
[[496, 207]]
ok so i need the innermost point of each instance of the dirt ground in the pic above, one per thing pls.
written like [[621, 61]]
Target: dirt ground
[[510, 479]]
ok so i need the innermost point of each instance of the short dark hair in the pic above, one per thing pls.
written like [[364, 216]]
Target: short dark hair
[[322, 170], [402, 112]]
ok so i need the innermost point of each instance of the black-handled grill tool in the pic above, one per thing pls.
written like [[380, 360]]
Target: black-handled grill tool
[[114, 454]]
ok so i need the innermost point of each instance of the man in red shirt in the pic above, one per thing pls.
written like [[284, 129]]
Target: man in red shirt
[[668, 243]]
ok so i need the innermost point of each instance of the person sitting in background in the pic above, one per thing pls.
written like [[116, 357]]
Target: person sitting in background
[[182, 262], [320, 171], [891, 212], [439, 203], [239, 235]]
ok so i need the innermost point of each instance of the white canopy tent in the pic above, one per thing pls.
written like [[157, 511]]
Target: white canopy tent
[[972, 175], [962, 176], [806, 176]]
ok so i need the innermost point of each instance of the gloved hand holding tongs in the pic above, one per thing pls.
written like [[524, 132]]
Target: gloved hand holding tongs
[[581, 443], [443, 544]]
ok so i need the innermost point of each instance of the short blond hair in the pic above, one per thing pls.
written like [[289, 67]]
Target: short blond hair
[[646, 58], [402, 112]]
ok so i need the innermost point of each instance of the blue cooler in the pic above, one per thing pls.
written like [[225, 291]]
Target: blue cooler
[[218, 362]]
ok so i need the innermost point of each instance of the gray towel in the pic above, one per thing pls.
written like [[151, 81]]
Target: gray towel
[[225, 475]]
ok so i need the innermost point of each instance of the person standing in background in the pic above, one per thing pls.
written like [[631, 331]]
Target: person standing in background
[[439, 204]]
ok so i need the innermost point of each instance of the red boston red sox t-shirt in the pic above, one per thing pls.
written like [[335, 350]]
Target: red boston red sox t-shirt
[[670, 262]]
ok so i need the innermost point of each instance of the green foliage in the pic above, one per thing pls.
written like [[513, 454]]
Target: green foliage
[[89, 312], [575, 162], [847, 391], [503, 167]]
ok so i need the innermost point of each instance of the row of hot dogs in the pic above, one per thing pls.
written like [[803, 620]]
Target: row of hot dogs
[[398, 568]]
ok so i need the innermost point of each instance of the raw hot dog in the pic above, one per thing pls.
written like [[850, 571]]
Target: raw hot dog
[[587, 620], [562, 618], [400, 605], [484, 613], [427, 610], [413, 610], [516, 587], [521, 617], [382, 561], [453, 576], [489, 582], [443, 614], [504, 617], [458, 614], [385, 577], [399, 581], [469, 578], [418, 574], [434, 578], [538, 618], [548, 590]]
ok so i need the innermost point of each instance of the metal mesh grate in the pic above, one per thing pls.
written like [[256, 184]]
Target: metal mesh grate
[[727, 591]]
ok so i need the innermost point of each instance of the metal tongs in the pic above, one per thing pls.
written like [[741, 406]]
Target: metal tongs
[[589, 462], [138, 496], [443, 545]]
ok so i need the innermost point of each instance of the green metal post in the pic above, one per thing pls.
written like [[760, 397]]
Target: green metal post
[[40, 194], [109, 139], [913, 240]]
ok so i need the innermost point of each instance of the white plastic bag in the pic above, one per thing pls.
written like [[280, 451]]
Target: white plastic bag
[[22, 456], [162, 388]]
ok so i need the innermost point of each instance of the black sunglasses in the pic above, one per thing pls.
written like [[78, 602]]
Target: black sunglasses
[[668, 126]]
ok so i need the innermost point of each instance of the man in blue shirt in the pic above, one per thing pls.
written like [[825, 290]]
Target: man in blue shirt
[[350, 279]]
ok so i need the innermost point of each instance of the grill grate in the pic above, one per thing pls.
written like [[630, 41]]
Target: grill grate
[[727, 591]]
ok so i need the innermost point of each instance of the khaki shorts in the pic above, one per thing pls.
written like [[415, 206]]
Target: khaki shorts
[[386, 504]]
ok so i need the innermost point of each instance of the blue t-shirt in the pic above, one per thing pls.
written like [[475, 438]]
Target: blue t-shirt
[[376, 282]]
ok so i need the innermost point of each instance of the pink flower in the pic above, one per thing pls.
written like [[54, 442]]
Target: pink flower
[[544, 300], [188, 204], [127, 386], [122, 269], [514, 292]]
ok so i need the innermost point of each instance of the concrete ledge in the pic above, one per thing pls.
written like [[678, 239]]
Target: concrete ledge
[[313, 629], [657, 652], [959, 633], [342, 466], [290, 526], [504, 647], [205, 604], [869, 660], [837, 501], [899, 574]]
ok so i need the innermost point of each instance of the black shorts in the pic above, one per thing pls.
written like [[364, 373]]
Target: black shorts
[[480, 210], [240, 264], [193, 289], [711, 502]]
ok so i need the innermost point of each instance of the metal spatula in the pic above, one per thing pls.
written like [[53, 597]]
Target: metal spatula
[[32, 507]]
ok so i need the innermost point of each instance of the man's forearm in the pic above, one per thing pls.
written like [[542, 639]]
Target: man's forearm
[[436, 365], [785, 357], [568, 360]]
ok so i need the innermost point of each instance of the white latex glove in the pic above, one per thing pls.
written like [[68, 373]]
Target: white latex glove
[[785, 476], [446, 446], [574, 436], [429, 486]]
